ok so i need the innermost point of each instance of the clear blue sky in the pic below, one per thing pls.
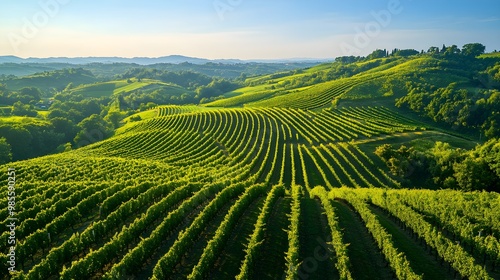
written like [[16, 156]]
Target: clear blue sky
[[245, 29]]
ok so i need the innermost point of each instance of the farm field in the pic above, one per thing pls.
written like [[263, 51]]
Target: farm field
[[247, 193], [250, 140]]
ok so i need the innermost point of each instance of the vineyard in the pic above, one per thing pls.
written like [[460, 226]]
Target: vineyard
[[247, 193]]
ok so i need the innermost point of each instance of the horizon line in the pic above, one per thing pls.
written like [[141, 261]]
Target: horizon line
[[171, 55]]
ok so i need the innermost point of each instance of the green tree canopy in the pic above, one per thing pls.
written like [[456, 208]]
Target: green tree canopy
[[115, 117], [5, 151], [451, 50], [20, 140], [93, 129], [33, 92], [66, 127], [377, 54], [473, 49], [20, 109]]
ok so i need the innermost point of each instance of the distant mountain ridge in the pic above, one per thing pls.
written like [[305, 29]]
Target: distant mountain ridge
[[172, 59]]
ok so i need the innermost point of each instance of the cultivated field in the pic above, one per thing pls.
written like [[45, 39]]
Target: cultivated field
[[253, 193]]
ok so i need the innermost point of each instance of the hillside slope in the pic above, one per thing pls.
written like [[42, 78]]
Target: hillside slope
[[125, 86], [186, 193], [385, 78], [52, 81], [299, 176]]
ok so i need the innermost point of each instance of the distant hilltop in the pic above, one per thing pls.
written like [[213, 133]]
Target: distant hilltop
[[171, 59]]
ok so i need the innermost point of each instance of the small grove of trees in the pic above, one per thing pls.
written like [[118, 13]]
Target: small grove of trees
[[138, 99], [480, 170], [71, 121], [443, 166], [114, 118], [30, 139], [456, 106], [20, 109], [93, 129], [75, 107], [25, 140], [26, 95], [405, 163], [83, 121], [5, 151], [468, 50], [473, 50], [215, 88], [395, 52]]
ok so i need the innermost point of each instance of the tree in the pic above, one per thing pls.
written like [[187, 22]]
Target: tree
[[33, 92], [64, 148], [57, 113], [135, 118], [20, 140], [480, 170], [491, 127], [385, 152], [27, 95], [433, 50], [5, 151], [67, 147], [377, 54], [45, 140], [93, 129], [20, 109], [473, 49], [115, 117], [452, 50], [89, 107], [66, 127], [444, 157], [490, 152], [149, 105], [4, 95], [404, 53], [443, 49], [347, 59], [474, 174]]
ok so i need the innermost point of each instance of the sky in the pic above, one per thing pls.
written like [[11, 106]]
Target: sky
[[241, 29]]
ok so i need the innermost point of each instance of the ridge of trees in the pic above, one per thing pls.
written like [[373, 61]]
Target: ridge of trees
[[443, 166]]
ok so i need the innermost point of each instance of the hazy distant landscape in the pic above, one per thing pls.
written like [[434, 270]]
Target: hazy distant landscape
[[303, 160]]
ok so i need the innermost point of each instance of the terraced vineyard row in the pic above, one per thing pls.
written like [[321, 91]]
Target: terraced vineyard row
[[223, 193], [226, 139], [314, 97], [446, 246]]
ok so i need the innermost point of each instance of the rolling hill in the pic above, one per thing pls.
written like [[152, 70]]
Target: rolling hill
[[107, 68], [241, 192], [378, 78], [123, 86], [52, 81], [278, 180]]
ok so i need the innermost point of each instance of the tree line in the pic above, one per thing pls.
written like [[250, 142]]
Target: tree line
[[71, 121], [443, 166]]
